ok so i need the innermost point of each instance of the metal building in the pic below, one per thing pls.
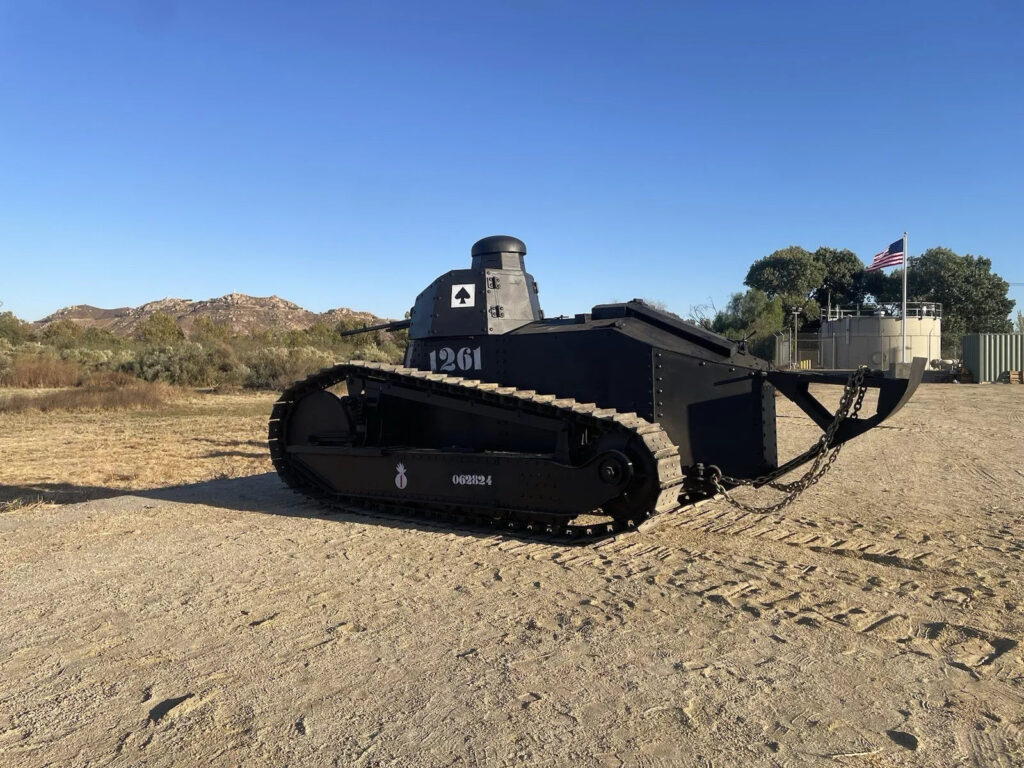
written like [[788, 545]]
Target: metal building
[[852, 337], [992, 356]]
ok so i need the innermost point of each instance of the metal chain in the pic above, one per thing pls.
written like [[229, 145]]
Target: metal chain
[[823, 453]]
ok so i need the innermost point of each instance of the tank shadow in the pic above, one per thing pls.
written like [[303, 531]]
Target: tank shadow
[[264, 494], [254, 493], [54, 493]]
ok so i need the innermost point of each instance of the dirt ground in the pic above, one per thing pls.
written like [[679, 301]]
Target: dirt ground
[[194, 612]]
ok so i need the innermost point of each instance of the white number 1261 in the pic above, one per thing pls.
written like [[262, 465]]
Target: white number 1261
[[447, 359]]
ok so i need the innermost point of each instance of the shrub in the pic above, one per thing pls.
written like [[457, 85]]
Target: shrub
[[187, 365], [97, 359], [237, 377], [159, 330], [349, 324], [212, 357], [319, 335], [206, 332], [229, 371], [372, 352], [61, 334], [276, 367], [101, 338]]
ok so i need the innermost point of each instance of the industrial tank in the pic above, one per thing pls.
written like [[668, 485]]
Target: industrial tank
[[849, 338]]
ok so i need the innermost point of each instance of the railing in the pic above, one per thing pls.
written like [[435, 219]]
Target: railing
[[888, 309]]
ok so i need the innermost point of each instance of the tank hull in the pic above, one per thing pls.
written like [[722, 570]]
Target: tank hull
[[713, 400]]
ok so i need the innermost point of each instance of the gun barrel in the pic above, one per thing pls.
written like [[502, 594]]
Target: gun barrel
[[397, 325]]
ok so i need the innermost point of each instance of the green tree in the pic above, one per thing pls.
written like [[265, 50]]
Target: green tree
[[789, 271], [791, 275], [350, 323], [319, 335], [883, 287], [750, 314], [62, 334], [207, 332], [843, 281], [159, 330], [974, 299], [1020, 321], [100, 338], [322, 336], [13, 329]]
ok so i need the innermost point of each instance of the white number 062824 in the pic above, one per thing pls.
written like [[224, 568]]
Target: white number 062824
[[471, 480], [448, 359]]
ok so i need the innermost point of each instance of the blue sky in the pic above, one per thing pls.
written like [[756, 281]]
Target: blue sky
[[346, 153]]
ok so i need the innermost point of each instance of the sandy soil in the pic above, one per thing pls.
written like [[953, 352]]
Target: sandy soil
[[876, 622], [62, 457]]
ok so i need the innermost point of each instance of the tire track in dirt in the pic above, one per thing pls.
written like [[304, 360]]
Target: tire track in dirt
[[988, 483], [955, 562], [990, 748], [806, 594], [733, 522]]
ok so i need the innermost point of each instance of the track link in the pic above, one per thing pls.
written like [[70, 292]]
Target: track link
[[652, 437]]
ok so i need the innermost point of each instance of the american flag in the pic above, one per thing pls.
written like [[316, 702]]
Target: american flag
[[890, 257]]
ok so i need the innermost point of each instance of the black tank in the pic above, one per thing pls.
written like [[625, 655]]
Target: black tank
[[502, 417]]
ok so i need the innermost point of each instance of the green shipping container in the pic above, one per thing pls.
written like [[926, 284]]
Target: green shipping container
[[991, 356]]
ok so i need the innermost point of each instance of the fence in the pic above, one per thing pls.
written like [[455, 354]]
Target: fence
[[808, 350]]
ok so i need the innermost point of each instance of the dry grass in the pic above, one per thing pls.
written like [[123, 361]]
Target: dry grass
[[135, 396], [40, 371], [108, 379], [65, 456]]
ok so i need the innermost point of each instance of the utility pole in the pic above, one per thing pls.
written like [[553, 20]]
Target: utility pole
[[906, 268]]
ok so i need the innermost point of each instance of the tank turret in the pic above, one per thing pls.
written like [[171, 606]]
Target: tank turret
[[494, 296]]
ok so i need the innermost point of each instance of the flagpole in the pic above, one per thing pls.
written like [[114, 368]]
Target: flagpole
[[906, 268]]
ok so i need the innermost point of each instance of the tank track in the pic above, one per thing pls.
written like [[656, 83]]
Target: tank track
[[654, 439]]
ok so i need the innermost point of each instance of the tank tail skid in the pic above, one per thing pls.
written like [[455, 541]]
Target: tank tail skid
[[893, 394]]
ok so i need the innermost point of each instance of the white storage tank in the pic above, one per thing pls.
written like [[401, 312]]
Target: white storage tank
[[849, 338]]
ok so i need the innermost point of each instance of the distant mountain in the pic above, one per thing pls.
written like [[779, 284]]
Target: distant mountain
[[242, 313]]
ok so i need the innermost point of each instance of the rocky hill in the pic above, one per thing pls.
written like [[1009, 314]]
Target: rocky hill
[[242, 313]]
